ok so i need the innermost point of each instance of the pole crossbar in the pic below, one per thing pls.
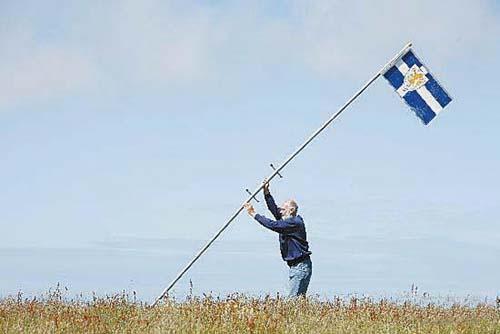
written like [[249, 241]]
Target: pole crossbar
[[281, 167]]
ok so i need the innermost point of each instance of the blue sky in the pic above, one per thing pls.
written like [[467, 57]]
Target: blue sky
[[129, 131]]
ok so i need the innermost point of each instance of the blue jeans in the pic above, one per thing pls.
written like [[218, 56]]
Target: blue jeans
[[299, 277]]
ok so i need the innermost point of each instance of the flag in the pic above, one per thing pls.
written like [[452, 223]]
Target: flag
[[417, 87]]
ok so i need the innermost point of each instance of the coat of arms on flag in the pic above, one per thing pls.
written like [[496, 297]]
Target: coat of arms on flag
[[417, 87]]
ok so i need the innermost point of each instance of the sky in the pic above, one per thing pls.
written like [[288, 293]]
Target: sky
[[129, 131]]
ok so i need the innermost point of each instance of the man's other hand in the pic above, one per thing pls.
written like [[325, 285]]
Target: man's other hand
[[266, 187], [250, 209]]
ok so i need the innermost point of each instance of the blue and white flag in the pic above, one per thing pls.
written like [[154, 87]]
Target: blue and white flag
[[417, 87]]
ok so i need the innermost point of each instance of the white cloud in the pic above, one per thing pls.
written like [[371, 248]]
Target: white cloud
[[151, 40], [30, 70], [340, 36], [182, 43]]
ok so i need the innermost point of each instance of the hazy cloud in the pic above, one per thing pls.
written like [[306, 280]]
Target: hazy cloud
[[340, 36], [153, 42], [33, 70]]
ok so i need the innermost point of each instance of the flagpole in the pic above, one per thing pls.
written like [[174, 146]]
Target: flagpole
[[281, 167]]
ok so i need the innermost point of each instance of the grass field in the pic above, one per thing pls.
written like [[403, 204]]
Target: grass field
[[54, 313]]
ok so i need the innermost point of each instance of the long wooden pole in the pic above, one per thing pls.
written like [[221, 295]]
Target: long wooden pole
[[281, 167]]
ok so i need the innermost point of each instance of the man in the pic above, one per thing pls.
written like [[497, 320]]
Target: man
[[292, 237]]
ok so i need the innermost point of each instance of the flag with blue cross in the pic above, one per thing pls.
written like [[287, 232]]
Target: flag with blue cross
[[417, 87]]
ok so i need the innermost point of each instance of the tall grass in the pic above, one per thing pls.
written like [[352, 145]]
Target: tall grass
[[122, 313]]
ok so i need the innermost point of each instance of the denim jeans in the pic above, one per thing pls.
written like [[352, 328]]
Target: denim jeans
[[299, 277]]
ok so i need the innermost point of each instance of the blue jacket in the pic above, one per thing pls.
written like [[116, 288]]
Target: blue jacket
[[292, 232]]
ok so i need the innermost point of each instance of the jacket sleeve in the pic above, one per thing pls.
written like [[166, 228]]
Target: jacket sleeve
[[281, 225], [271, 205]]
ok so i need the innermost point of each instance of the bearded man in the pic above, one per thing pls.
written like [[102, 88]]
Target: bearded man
[[292, 238]]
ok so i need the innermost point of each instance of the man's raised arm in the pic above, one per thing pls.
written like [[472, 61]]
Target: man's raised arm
[[280, 225], [271, 204]]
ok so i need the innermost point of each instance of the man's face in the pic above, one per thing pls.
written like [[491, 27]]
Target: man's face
[[282, 210], [286, 208]]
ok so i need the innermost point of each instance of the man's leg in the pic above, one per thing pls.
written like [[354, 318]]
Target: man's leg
[[299, 278], [293, 282], [304, 282]]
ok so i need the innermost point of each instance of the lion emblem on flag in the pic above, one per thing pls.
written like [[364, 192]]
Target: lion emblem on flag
[[414, 79]]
